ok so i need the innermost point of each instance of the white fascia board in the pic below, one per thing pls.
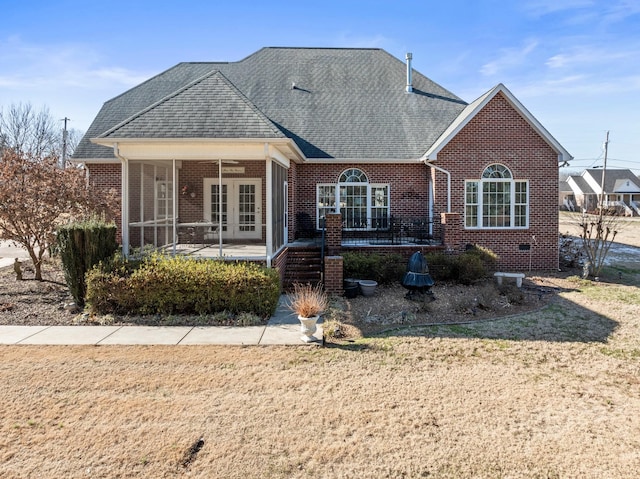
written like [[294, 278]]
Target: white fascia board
[[95, 161], [201, 148], [476, 106], [361, 161]]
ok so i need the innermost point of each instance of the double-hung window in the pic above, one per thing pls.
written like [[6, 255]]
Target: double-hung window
[[363, 205], [497, 200]]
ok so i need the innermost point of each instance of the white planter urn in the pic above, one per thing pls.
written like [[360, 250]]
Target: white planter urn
[[367, 287], [308, 328]]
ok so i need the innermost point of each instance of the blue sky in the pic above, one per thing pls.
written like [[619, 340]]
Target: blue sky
[[575, 64]]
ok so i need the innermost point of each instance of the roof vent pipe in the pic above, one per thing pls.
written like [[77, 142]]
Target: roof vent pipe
[[409, 82]]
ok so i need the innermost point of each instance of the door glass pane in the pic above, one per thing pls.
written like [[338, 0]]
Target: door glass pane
[[215, 205], [247, 207]]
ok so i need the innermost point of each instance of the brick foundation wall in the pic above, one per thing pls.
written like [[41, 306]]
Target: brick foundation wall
[[279, 262], [333, 275], [334, 233], [498, 134]]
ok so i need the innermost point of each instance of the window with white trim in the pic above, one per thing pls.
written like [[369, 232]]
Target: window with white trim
[[496, 200], [362, 204]]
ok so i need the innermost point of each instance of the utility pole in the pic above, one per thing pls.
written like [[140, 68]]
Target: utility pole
[[604, 172], [63, 160]]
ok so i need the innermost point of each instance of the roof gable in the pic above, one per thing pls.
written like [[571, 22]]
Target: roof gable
[[476, 106], [581, 186], [209, 107], [616, 181]]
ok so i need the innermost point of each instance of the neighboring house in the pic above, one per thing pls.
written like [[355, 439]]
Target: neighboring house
[[263, 150], [566, 197], [621, 190]]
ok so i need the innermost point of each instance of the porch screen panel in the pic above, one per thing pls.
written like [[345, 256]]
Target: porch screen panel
[[151, 196], [278, 205]]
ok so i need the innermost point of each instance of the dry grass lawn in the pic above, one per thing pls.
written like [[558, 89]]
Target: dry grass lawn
[[549, 394]]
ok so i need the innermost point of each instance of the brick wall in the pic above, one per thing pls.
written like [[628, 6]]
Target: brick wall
[[408, 185], [333, 273], [107, 176], [498, 134]]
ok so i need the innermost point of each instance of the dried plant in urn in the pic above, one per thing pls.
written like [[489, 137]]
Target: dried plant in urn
[[308, 302]]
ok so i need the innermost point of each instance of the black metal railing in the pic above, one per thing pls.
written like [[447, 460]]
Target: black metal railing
[[392, 230]]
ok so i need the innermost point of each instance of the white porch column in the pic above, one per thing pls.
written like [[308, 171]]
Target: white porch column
[[124, 198], [174, 208], [269, 213]]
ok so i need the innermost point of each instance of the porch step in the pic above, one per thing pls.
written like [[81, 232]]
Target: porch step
[[304, 265]]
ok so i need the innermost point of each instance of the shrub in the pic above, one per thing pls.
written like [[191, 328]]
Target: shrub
[[441, 266], [162, 284], [465, 268], [382, 268], [82, 245], [468, 268]]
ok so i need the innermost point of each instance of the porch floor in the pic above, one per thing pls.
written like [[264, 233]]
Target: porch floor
[[229, 250]]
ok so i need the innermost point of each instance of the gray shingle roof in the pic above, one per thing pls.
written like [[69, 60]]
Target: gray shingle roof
[[582, 184], [346, 103], [209, 107], [615, 180]]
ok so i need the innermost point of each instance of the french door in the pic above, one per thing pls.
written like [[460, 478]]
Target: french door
[[240, 214]]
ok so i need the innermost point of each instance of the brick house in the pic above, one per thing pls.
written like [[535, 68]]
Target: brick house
[[618, 190], [274, 147]]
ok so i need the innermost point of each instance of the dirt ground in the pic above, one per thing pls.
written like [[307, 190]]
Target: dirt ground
[[546, 394]]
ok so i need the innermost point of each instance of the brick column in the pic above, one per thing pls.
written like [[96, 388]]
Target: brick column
[[333, 223], [333, 272], [451, 230]]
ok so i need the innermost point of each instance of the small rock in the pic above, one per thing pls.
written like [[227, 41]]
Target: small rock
[[72, 308]]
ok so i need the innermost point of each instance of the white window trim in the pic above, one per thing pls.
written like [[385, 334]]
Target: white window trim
[[480, 205], [370, 187]]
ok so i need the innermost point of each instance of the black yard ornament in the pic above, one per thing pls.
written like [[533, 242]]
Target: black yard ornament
[[417, 278]]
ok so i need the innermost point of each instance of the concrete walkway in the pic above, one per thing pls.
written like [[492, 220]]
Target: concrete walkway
[[282, 328]]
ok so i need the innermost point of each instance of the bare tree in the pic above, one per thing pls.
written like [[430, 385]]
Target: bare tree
[[598, 233], [33, 132], [36, 197]]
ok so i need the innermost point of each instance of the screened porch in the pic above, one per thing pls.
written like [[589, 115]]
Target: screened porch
[[206, 208]]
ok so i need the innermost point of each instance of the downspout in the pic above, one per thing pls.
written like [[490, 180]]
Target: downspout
[[432, 190], [124, 196], [441, 170]]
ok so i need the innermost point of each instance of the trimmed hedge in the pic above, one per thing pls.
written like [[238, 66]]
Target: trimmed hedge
[[382, 268], [181, 285], [474, 264], [82, 245]]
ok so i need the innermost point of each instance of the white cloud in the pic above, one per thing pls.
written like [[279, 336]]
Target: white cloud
[[544, 7], [70, 79], [509, 58], [58, 66]]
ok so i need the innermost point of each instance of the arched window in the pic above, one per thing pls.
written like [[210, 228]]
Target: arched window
[[362, 204], [496, 200]]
